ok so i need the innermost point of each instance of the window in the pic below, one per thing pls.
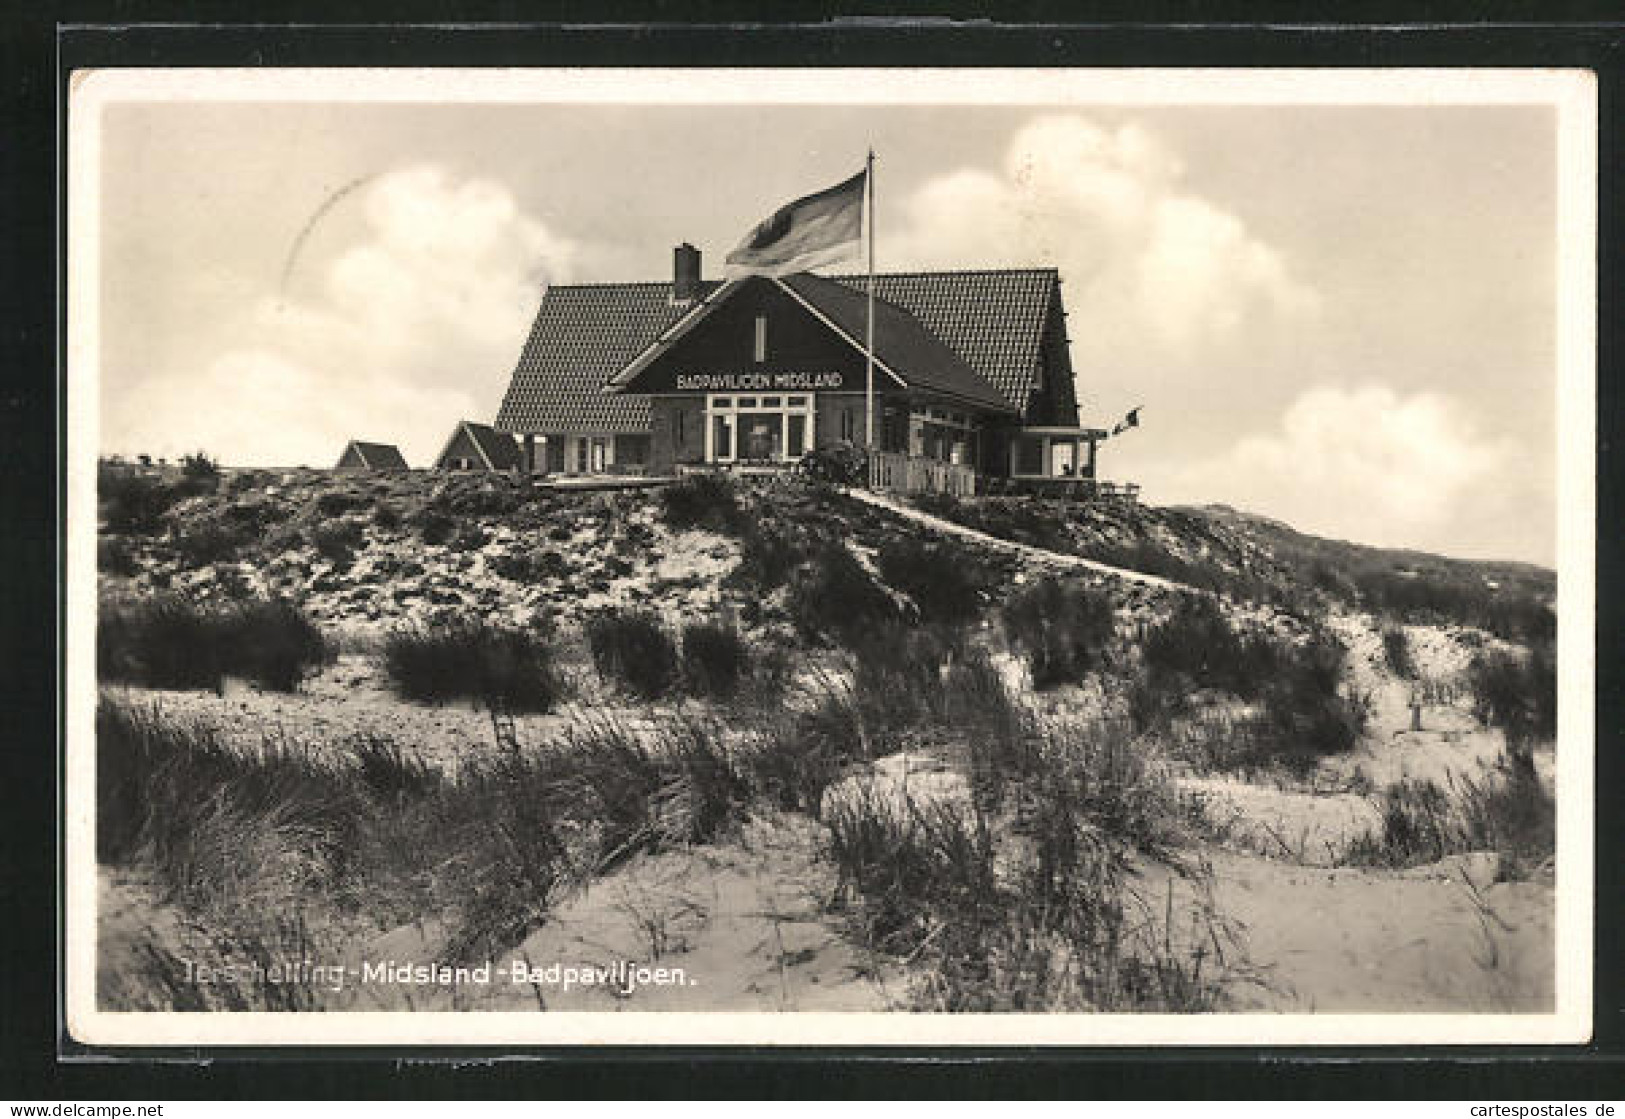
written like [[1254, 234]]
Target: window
[[761, 338], [680, 419], [758, 428], [846, 424]]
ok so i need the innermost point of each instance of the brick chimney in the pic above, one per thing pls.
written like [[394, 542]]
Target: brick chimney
[[685, 261]]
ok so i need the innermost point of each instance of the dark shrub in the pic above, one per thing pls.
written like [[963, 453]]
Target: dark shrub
[[336, 541], [898, 677], [483, 496], [170, 642], [834, 596], [386, 516], [1396, 650], [273, 643], [633, 648], [767, 556], [163, 642], [945, 581], [504, 668], [702, 501], [336, 503], [470, 538], [1517, 694], [1196, 644], [715, 659], [841, 464], [1301, 714], [435, 527], [253, 516], [115, 557], [132, 502], [204, 541], [1063, 629], [200, 467], [1307, 718]]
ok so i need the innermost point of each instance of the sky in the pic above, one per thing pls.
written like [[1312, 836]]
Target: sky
[[1342, 317]]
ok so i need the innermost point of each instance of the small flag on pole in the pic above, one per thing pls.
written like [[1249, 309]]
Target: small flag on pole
[[1128, 421], [819, 229]]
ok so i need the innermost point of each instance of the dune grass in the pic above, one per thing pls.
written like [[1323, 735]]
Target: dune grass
[[362, 836], [505, 668], [1509, 813], [633, 648], [172, 642]]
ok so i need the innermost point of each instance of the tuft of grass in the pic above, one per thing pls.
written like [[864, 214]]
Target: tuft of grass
[[946, 582], [1045, 918], [702, 501], [273, 643], [202, 542], [714, 659], [633, 648], [171, 642], [1517, 693], [1299, 711], [435, 526], [768, 555], [114, 556], [132, 502], [1396, 650], [504, 668], [365, 836], [1510, 813], [200, 468], [834, 596], [336, 541], [1063, 629]]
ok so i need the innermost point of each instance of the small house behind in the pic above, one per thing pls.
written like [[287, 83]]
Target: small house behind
[[371, 456], [479, 447]]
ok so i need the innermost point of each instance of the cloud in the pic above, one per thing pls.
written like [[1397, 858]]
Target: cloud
[[1157, 276], [1370, 465], [413, 324]]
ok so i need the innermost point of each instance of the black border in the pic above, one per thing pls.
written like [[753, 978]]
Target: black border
[[36, 51]]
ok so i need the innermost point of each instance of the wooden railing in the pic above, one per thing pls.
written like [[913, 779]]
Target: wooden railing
[[1077, 489], [891, 471]]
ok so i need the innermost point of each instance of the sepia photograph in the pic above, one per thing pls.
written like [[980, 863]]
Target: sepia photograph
[[810, 557]]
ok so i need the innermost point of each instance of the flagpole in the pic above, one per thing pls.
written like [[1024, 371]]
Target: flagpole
[[869, 335]]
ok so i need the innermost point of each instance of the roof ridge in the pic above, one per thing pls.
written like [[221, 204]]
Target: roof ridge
[[1050, 270], [1010, 271]]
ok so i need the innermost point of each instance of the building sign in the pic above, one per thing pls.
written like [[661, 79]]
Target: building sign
[[758, 382]]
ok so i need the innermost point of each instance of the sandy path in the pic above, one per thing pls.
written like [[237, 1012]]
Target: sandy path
[[1027, 552]]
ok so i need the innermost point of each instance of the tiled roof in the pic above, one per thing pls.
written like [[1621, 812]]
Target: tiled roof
[[994, 318], [582, 336], [378, 456], [500, 449], [901, 341]]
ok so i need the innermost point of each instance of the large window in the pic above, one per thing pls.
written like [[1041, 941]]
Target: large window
[[758, 428]]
